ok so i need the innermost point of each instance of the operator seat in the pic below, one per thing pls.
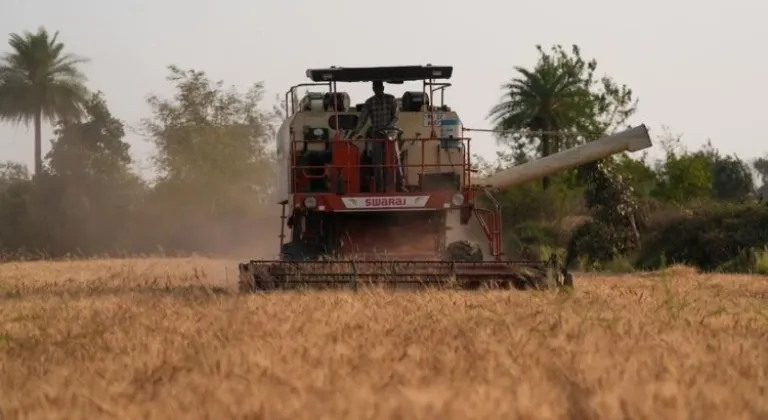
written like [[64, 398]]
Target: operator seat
[[340, 99], [412, 101]]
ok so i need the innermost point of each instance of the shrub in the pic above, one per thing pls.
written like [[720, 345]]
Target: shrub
[[590, 244], [720, 237], [529, 240], [529, 203]]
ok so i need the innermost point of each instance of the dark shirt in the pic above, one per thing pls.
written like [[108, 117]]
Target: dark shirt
[[383, 112]]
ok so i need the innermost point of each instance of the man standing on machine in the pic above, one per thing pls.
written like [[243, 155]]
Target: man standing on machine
[[383, 111]]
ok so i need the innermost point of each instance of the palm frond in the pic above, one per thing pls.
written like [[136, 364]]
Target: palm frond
[[38, 76], [548, 97]]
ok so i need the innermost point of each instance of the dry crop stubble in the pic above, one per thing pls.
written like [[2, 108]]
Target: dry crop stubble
[[170, 338]]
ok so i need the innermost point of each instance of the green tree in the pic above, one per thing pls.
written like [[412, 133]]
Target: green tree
[[682, 175], [637, 173], [89, 190], [214, 156], [704, 174], [617, 219], [11, 172], [560, 94], [92, 151], [15, 187], [207, 135], [731, 179], [761, 166], [39, 80]]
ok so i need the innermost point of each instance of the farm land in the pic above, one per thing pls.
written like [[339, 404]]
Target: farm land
[[171, 338]]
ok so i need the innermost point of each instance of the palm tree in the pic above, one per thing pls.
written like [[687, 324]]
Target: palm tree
[[38, 80], [550, 98]]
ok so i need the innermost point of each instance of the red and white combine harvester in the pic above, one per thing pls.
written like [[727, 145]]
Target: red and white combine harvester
[[348, 226]]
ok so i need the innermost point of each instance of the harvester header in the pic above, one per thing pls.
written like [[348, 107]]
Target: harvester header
[[368, 196]]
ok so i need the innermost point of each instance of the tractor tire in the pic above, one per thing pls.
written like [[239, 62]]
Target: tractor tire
[[256, 281], [293, 251], [463, 251], [540, 278], [568, 280]]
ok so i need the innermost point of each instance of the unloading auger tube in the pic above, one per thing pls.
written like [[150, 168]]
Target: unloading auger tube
[[461, 263], [630, 140]]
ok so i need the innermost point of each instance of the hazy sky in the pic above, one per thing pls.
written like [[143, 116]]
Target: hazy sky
[[697, 67]]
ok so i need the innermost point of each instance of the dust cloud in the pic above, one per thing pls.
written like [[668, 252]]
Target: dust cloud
[[257, 236], [253, 237]]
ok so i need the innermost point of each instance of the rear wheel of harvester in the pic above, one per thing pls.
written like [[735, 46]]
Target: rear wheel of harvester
[[523, 275], [464, 251], [272, 277], [536, 277], [296, 251], [548, 276], [256, 280]]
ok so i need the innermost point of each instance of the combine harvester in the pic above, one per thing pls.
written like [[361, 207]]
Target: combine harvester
[[348, 229]]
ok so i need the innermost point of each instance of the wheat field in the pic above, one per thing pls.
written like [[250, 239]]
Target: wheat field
[[171, 339]]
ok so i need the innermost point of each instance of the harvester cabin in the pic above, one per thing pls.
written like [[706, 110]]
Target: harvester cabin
[[433, 152]]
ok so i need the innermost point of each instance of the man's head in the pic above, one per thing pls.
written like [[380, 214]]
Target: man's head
[[378, 88]]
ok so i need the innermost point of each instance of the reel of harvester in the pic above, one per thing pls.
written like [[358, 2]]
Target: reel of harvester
[[266, 275]]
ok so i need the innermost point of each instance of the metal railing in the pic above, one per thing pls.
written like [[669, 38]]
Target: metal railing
[[344, 173]]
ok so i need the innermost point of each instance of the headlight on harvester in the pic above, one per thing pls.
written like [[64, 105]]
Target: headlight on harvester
[[457, 199], [310, 202]]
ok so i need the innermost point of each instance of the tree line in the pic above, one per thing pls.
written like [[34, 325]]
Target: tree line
[[214, 162], [620, 211], [215, 165]]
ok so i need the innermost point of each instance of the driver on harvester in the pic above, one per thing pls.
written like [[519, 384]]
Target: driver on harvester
[[383, 111]]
